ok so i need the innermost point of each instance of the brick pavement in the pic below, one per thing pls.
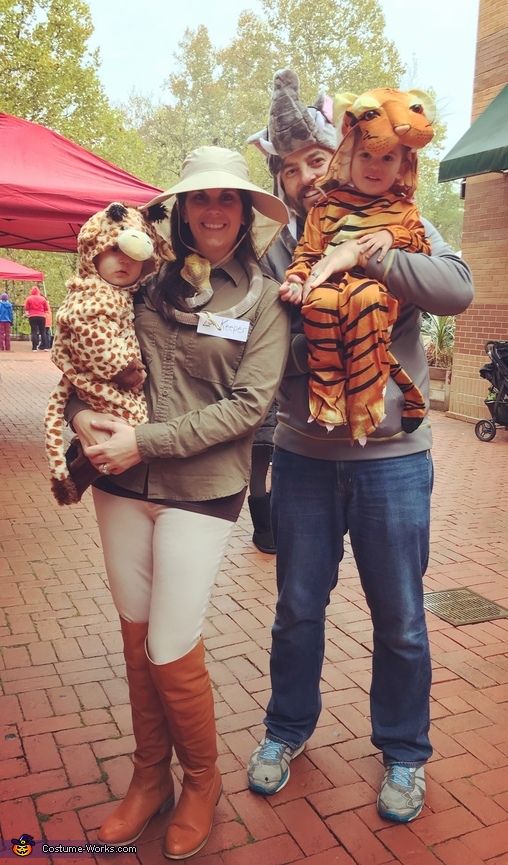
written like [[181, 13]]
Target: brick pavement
[[65, 727]]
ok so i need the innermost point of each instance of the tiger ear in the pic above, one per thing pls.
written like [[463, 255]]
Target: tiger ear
[[341, 102], [429, 106]]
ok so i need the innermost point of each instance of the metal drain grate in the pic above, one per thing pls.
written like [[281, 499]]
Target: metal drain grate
[[462, 607]]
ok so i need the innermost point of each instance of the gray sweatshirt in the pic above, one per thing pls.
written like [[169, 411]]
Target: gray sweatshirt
[[440, 284]]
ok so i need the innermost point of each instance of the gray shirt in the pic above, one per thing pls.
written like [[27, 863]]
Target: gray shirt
[[440, 284]]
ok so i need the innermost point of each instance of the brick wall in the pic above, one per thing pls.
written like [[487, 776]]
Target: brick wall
[[485, 232]]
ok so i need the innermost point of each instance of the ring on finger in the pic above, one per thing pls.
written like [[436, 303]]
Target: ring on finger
[[104, 469]]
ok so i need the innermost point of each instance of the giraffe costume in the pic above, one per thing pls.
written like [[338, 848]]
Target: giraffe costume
[[95, 344]]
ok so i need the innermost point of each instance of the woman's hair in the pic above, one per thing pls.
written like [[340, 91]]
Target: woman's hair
[[172, 290]]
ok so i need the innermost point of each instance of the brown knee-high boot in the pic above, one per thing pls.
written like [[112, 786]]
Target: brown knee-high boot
[[185, 690], [151, 789]]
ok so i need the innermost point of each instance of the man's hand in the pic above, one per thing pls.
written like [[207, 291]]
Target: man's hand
[[379, 241], [291, 290]]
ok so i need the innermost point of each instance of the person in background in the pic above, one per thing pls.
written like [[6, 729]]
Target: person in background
[[36, 307], [6, 322], [214, 338], [48, 330], [323, 487]]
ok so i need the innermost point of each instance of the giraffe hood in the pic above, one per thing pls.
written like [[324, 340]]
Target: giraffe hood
[[129, 229]]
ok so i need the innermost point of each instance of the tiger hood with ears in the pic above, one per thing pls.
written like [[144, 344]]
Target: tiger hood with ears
[[381, 119]]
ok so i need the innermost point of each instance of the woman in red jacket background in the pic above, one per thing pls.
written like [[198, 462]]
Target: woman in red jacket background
[[36, 306]]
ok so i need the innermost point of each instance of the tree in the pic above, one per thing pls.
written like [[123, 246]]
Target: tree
[[440, 202], [50, 76], [196, 112], [336, 44], [222, 96]]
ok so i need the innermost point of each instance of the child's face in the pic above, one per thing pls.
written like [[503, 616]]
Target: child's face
[[375, 174], [115, 267]]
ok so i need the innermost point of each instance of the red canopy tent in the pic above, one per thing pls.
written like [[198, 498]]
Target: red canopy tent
[[12, 270], [49, 186]]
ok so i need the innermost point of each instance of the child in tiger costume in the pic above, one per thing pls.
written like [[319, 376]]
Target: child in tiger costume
[[367, 209]]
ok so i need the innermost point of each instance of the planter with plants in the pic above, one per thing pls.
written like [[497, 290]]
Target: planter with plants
[[438, 334]]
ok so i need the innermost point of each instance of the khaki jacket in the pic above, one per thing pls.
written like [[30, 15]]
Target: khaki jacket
[[206, 395]]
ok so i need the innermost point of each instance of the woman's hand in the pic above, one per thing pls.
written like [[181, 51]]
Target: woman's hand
[[118, 452], [343, 257]]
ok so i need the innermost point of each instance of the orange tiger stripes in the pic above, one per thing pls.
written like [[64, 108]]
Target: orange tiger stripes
[[348, 320]]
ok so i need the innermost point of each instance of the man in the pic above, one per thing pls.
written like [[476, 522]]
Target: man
[[323, 486], [303, 165]]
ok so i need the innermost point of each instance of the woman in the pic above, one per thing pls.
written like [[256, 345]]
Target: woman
[[214, 339]]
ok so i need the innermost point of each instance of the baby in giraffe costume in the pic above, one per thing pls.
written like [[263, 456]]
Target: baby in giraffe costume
[[95, 344]]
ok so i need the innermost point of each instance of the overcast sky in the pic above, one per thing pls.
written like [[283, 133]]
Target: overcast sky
[[435, 38]]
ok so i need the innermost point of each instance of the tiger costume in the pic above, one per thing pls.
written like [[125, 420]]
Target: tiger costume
[[348, 320]]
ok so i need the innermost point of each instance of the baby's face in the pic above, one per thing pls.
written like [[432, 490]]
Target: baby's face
[[115, 267], [375, 174]]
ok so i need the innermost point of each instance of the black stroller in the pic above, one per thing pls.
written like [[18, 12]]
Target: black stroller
[[496, 372]]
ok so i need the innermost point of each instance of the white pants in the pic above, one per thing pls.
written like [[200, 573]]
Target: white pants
[[162, 564]]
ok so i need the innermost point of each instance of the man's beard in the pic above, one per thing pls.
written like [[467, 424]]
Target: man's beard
[[298, 204]]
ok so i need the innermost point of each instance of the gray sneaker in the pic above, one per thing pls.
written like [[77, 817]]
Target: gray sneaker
[[402, 793], [268, 769]]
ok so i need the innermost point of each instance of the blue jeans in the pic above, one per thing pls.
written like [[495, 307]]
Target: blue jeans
[[385, 506]]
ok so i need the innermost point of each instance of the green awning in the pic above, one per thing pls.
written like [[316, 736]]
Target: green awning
[[484, 147]]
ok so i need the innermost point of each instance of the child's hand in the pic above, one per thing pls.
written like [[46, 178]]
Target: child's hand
[[342, 258], [83, 424], [291, 290], [379, 241], [131, 378]]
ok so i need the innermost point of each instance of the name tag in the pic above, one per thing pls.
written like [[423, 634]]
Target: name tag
[[225, 328]]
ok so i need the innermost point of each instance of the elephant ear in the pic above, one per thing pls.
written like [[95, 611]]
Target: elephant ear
[[425, 99]]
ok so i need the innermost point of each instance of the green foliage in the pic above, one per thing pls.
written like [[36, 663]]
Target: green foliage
[[438, 333], [57, 269], [222, 95], [339, 45], [440, 202], [214, 95], [50, 76]]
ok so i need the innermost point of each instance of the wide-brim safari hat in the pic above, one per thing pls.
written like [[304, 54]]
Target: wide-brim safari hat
[[212, 167]]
